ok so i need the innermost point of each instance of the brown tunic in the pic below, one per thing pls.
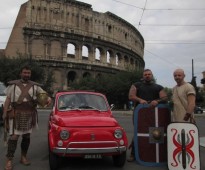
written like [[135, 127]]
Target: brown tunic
[[23, 99]]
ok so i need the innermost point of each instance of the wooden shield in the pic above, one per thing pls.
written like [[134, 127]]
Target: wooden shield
[[150, 134], [183, 146]]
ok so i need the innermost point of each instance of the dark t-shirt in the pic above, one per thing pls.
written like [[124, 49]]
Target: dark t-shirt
[[148, 91]]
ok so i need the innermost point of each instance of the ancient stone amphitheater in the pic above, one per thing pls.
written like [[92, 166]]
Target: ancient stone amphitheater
[[74, 41]]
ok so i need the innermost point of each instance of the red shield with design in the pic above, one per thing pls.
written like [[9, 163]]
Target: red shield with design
[[183, 146], [150, 134]]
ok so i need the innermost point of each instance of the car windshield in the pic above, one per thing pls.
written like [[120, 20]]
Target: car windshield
[[81, 101], [2, 88]]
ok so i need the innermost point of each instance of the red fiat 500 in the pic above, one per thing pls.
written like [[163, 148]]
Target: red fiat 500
[[81, 124]]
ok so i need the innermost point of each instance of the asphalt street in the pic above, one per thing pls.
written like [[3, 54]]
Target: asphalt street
[[38, 152]]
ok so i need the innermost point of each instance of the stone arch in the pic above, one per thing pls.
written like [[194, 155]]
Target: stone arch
[[111, 57], [87, 23], [126, 35], [136, 64], [132, 63], [116, 60], [71, 77], [71, 50], [58, 79], [91, 51], [98, 53], [85, 52], [119, 59], [38, 48], [126, 61], [109, 28], [86, 75], [55, 50], [98, 76], [108, 56]]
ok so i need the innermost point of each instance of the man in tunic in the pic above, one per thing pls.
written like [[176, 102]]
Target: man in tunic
[[184, 96], [22, 99]]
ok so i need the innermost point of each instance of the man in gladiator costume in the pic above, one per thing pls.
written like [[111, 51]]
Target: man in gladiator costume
[[22, 100]]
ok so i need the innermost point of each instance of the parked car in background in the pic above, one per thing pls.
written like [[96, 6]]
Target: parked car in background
[[2, 100], [81, 124], [198, 110]]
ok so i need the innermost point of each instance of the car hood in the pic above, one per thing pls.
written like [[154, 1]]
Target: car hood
[[88, 119]]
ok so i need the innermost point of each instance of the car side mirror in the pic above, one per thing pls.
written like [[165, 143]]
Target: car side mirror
[[112, 106]]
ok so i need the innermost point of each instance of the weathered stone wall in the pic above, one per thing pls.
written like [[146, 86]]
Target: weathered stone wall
[[102, 42]]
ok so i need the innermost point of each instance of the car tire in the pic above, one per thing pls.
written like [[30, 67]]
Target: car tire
[[53, 161], [119, 160]]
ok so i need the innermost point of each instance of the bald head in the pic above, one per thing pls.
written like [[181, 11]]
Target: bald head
[[179, 76], [179, 71]]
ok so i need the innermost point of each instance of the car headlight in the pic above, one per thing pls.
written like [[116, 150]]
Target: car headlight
[[118, 133], [64, 134]]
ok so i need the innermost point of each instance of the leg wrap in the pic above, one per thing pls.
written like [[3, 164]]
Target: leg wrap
[[25, 143], [133, 149], [12, 144]]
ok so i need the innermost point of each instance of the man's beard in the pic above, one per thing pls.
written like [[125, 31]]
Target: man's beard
[[148, 80], [25, 78]]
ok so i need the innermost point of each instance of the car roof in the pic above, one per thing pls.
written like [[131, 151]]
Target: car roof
[[78, 91]]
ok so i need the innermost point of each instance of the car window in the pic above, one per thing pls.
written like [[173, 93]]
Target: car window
[[2, 88], [81, 101], [68, 101]]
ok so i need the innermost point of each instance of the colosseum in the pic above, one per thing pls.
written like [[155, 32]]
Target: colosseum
[[74, 41]]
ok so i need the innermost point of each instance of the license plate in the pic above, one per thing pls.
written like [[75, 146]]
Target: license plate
[[95, 156]]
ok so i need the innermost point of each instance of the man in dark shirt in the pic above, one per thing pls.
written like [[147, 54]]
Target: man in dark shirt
[[146, 92]]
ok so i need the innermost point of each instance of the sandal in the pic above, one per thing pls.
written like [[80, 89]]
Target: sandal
[[131, 158], [25, 161], [8, 165]]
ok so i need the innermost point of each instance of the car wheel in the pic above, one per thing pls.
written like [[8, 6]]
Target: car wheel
[[53, 161], [119, 160]]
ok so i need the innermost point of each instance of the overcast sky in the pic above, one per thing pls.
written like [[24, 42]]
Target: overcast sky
[[173, 30]]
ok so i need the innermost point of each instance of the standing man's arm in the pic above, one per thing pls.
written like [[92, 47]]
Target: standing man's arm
[[191, 103], [162, 98], [6, 106], [133, 97]]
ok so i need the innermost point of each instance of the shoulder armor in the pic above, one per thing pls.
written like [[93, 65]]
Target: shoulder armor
[[35, 83], [13, 82], [19, 81]]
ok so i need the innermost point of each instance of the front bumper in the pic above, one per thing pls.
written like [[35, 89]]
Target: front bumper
[[84, 150]]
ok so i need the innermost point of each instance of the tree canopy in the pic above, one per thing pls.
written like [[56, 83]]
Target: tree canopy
[[10, 70], [115, 87]]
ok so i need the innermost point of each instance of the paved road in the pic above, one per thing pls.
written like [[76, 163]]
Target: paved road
[[38, 152]]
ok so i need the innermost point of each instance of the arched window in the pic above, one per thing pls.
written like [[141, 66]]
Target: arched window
[[86, 75], [85, 52], [97, 54], [71, 50], [108, 56]]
